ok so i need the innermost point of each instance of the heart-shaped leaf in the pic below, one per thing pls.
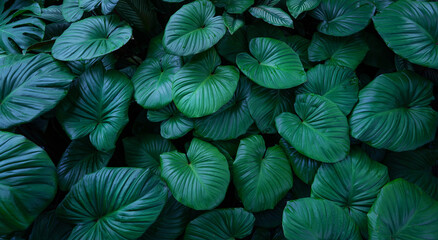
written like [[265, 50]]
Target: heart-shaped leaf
[[221, 224], [338, 84], [27, 182], [415, 37], [199, 179], [272, 15], [126, 195], [29, 87], [390, 103], [193, 29], [319, 123], [79, 159], [343, 17], [97, 106], [402, 210], [199, 80], [230, 121], [262, 176], [173, 123], [352, 184], [343, 51], [273, 64], [418, 167], [91, 37], [144, 151]]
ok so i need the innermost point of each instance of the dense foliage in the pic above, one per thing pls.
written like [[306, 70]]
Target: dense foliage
[[218, 119]]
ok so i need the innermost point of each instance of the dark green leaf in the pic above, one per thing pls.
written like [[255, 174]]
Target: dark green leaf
[[233, 23], [174, 123], [48, 226], [233, 6], [296, 7], [106, 6]]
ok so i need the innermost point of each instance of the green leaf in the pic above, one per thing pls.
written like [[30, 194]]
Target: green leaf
[[221, 224], [352, 184], [403, 211], [141, 15], [144, 151], [273, 64], [233, 23], [106, 6], [198, 180], [343, 17], [198, 81], [97, 106], [27, 182], [71, 11], [418, 167], [272, 15], [391, 102], [79, 159], [230, 121], [342, 51], [153, 81], [319, 123], [314, 219], [231, 45], [170, 224], [91, 37], [48, 226], [234, 7], [296, 7], [103, 202], [30, 86], [338, 84], [262, 176], [193, 29], [266, 104], [21, 34], [416, 35], [300, 46], [304, 168], [174, 124]]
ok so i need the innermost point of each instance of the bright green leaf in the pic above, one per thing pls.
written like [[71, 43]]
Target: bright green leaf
[[272, 15], [296, 7]]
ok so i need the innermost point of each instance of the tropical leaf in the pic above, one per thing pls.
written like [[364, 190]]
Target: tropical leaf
[[21, 34], [153, 81], [97, 107], [71, 10], [266, 104], [193, 29], [29, 87], [262, 176], [79, 159], [27, 182], [173, 123], [170, 224], [304, 168], [233, 23], [234, 7], [312, 219], [417, 167], [319, 123], [199, 179], [338, 84], [273, 64], [299, 45], [91, 37], [48, 226], [296, 7], [127, 195], [106, 6], [144, 151], [200, 79], [221, 224], [390, 103], [140, 14], [415, 37], [343, 17], [230, 121], [343, 51], [352, 184], [403, 211], [272, 15]]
